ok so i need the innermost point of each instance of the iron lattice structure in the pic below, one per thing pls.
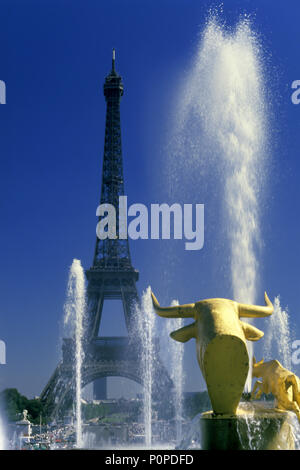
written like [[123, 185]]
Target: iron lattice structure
[[109, 252], [111, 276]]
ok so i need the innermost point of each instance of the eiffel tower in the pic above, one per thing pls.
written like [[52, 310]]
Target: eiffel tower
[[111, 276]]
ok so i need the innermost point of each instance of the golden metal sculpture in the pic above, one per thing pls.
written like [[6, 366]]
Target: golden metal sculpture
[[221, 344], [281, 382]]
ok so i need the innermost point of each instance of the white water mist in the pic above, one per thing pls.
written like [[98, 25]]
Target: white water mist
[[295, 426], [146, 326], [3, 440], [277, 339], [222, 119], [74, 316], [175, 353]]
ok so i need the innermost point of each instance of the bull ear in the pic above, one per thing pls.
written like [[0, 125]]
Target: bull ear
[[251, 333], [184, 334]]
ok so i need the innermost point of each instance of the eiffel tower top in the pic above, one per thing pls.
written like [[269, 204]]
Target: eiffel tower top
[[113, 86], [112, 254], [113, 67]]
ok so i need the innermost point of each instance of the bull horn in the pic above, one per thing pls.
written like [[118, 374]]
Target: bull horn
[[178, 311], [255, 311]]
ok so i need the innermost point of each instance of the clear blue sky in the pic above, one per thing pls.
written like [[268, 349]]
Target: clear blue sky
[[54, 55]]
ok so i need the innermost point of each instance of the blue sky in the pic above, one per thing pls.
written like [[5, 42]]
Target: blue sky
[[54, 56]]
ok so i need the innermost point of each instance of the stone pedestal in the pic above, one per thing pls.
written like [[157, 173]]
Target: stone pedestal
[[254, 427]]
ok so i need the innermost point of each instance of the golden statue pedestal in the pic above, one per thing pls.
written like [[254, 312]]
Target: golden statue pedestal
[[255, 427]]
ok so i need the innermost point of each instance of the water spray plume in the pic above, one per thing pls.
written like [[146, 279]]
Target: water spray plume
[[277, 341], [146, 327], [2, 435], [223, 110], [175, 354], [74, 316]]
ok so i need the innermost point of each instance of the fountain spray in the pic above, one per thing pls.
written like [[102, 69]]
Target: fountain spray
[[277, 341], [74, 313], [2, 435], [175, 353], [146, 326], [223, 112]]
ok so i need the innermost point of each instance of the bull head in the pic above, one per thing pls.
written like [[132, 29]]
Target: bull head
[[220, 342]]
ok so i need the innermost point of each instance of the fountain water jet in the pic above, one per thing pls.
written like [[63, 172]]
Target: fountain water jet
[[74, 312], [3, 442], [223, 111], [175, 352], [295, 426], [277, 341], [146, 326]]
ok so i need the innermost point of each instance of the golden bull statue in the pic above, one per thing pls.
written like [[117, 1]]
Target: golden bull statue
[[221, 344], [281, 382]]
